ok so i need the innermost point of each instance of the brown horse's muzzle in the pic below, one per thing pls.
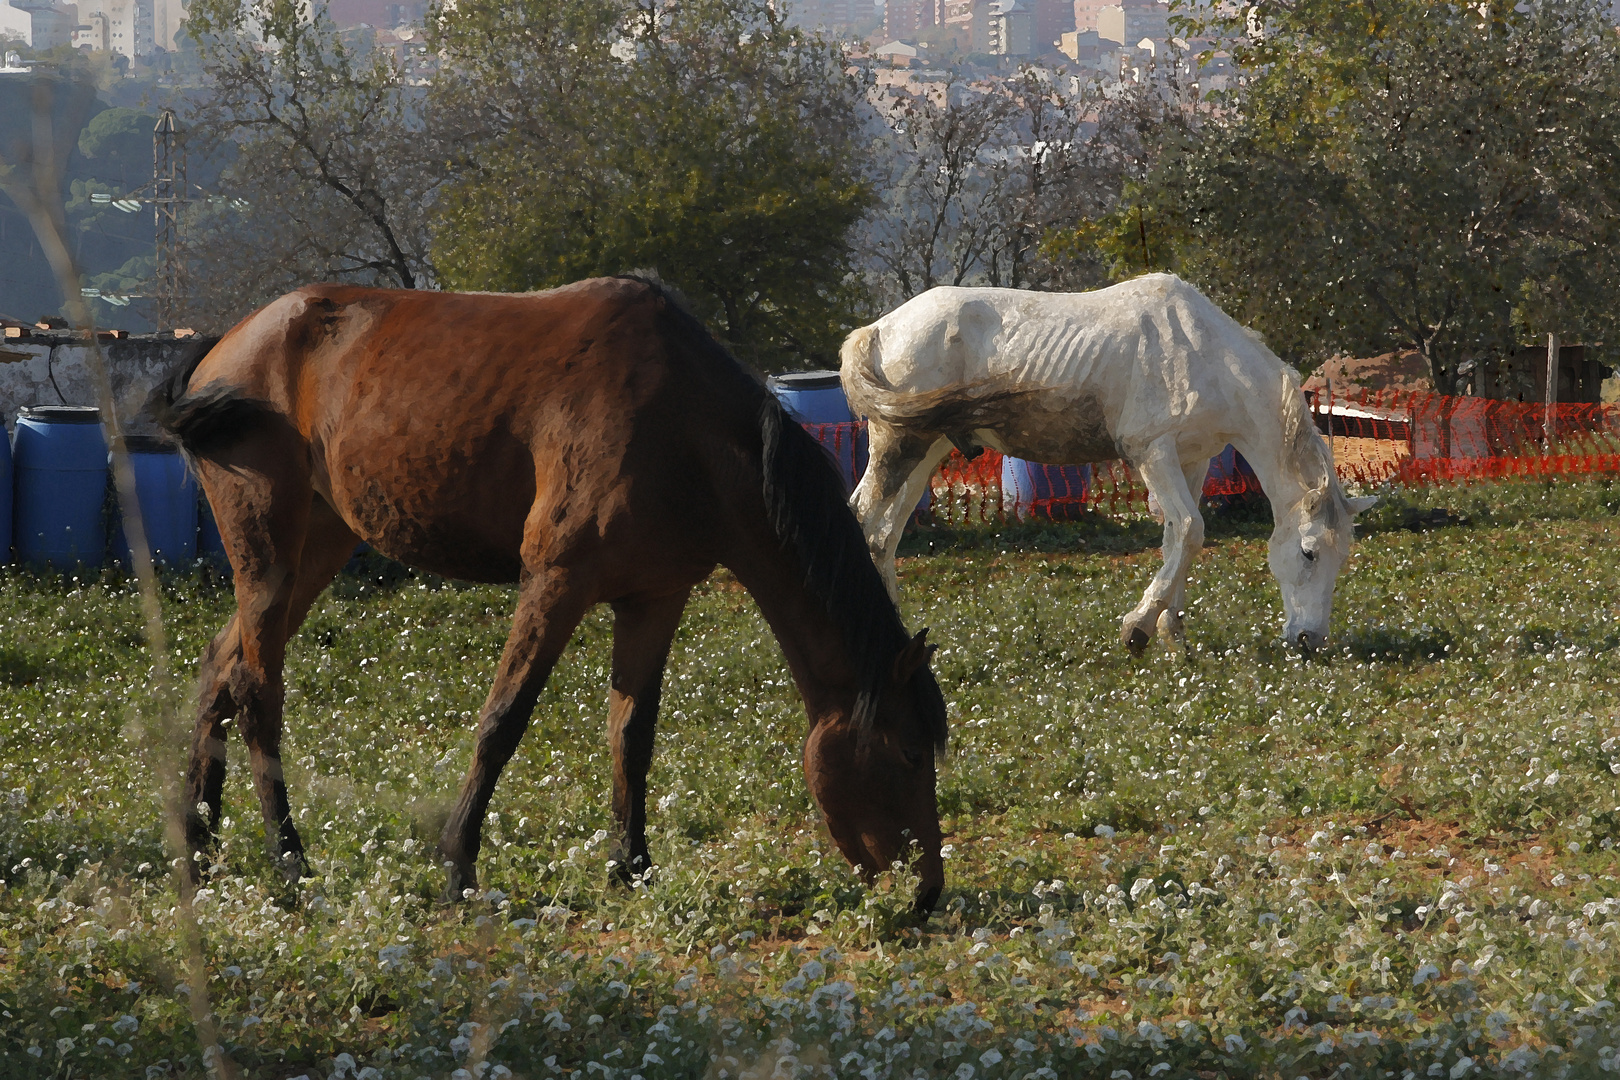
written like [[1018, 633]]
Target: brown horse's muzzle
[[878, 812]]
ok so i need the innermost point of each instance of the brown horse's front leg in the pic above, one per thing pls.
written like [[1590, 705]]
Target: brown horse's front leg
[[550, 604], [642, 631]]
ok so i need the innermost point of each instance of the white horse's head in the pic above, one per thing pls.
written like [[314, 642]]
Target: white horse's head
[[1308, 549]]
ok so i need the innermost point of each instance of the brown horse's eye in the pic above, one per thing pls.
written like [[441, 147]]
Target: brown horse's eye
[[914, 758]]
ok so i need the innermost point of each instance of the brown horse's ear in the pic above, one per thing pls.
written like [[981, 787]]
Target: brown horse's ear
[[915, 654]]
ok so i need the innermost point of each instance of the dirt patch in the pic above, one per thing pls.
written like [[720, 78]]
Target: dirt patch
[[1368, 457], [1402, 370]]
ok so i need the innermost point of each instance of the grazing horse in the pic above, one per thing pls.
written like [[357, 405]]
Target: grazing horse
[[593, 444], [1149, 371]]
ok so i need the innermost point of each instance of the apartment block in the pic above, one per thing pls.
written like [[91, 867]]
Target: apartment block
[[1086, 12], [833, 13], [904, 19], [1011, 29], [1129, 21], [118, 26]]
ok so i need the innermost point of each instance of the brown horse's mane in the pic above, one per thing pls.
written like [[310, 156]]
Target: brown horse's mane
[[804, 498], [809, 511]]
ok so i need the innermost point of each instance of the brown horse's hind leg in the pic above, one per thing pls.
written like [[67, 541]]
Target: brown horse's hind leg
[[551, 602], [205, 776], [642, 631], [242, 670]]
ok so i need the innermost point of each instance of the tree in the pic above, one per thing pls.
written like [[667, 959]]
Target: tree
[[944, 179], [1000, 183], [330, 171], [1399, 172], [707, 140], [118, 144]]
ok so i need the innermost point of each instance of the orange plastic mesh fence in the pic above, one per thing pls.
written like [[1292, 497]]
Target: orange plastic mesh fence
[[1377, 437]]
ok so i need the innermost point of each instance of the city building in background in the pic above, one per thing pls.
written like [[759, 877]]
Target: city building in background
[[131, 28], [905, 19], [39, 24], [833, 14], [970, 19], [116, 26], [1086, 12], [1011, 29], [1129, 21]]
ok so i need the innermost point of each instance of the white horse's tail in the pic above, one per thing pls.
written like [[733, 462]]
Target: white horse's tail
[[946, 409], [855, 370]]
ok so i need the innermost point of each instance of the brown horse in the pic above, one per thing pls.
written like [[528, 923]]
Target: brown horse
[[593, 444]]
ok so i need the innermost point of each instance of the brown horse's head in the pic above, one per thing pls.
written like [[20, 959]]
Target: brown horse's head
[[872, 773]]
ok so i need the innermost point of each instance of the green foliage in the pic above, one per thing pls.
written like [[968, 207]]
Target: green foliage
[[120, 139], [707, 140], [1435, 175], [1234, 862]]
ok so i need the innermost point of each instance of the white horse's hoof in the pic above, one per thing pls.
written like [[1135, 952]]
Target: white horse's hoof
[[1136, 633]]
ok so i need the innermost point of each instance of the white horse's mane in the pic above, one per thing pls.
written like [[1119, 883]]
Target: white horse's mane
[[1312, 453]]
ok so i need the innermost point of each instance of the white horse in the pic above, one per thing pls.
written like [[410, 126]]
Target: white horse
[[1149, 371]]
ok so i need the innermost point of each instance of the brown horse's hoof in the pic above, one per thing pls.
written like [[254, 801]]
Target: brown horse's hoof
[[626, 872], [461, 883], [923, 906], [293, 867]]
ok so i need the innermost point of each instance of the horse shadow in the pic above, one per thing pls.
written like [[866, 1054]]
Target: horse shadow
[[1084, 532], [1398, 644]]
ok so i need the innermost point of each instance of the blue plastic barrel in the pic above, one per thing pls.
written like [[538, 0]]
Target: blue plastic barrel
[[6, 481], [167, 494], [1025, 482], [60, 460], [816, 398], [209, 544], [812, 397]]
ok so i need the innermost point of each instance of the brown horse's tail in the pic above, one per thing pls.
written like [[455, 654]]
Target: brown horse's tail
[[204, 420]]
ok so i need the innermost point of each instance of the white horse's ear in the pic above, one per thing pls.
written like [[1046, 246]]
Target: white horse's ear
[[1361, 504]]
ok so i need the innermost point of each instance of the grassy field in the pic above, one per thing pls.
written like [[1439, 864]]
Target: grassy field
[[1391, 860]]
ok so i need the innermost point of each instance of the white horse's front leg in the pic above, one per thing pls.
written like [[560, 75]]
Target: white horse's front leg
[[897, 472], [1171, 618], [1162, 471]]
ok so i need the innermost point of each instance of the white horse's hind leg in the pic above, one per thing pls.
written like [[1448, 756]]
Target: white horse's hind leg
[[1167, 478], [896, 476]]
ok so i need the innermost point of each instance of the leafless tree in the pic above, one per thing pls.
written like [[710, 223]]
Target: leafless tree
[[329, 168], [988, 183], [943, 175]]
